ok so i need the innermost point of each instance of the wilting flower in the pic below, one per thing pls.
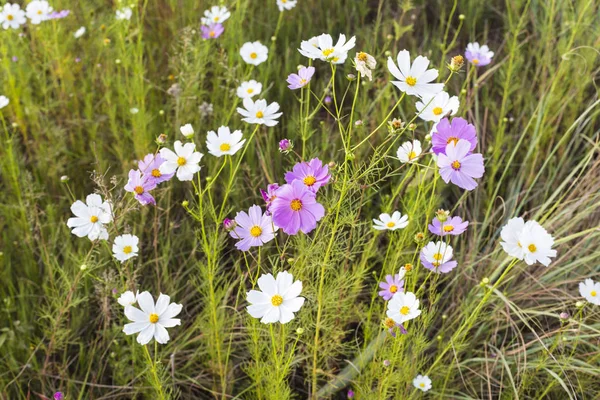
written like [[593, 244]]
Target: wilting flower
[[478, 56], [312, 174], [447, 132], [453, 226], [422, 382], [212, 31], [295, 208], [258, 112], [216, 14], [590, 290], [322, 48], [152, 319], [79, 32], [434, 108], [90, 217], [254, 53], [140, 185], [527, 241], [128, 298], [269, 195], [125, 247], [184, 160], [124, 13], [460, 167], [403, 307], [437, 257], [415, 79], [3, 101], [187, 130], [253, 228], [301, 79], [392, 285], [249, 89], [38, 11], [12, 16], [365, 64], [393, 222], [391, 326], [277, 300], [286, 4], [409, 151], [285, 146], [150, 167], [225, 142]]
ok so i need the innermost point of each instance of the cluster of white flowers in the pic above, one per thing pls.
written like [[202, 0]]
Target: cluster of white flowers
[[37, 11]]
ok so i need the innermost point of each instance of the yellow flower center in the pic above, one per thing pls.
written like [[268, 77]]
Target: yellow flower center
[[391, 224], [127, 249], [216, 19], [327, 52], [225, 147], [412, 155], [138, 190], [408, 267], [276, 300], [452, 139], [309, 180], [438, 256], [335, 59], [211, 33], [593, 293], [362, 56], [39, 12], [153, 318], [256, 231], [93, 219], [181, 161], [156, 173], [303, 81], [253, 55], [448, 228], [404, 310], [389, 323], [455, 165], [411, 80], [259, 114], [284, 1], [437, 111], [250, 91], [10, 17], [475, 61], [393, 289], [296, 205], [532, 248], [421, 385]]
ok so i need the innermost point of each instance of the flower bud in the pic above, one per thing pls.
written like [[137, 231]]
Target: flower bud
[[351, 77], [564, 315], [442, 215], [358, 122], [187, 130], [83, 267], [386, 363], [327, 100], [285, 146], [579, 304], [161, 139], [64, 179], [412, 126], [461, 17], [299, 331], [229, 224], [456, 63], [185, 203], [419, 237], [485, 281], [408, 267]]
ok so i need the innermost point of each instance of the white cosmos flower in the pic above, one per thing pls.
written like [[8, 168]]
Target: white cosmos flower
[[249, 89], [258, 112], [590, 290], [277, 300], [322, 48], [365, 64], [124, 13], [409, 151], [125, 247], [152, 319], [510, 236], [12, 16], [393, 222], [38, 11], [437, 107], [254, 53], [403, 307], [527, 241], [437, 253], [224, 142], [184, 160], [90, 217], [3, 101], [422, 382], [286, 4], [128, 298], [216, 14], [187, 130], [79, 32], [415, 79]]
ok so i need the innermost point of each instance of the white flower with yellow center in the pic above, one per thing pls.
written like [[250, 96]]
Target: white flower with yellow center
[[286, 4], [254, 53], [365, 64], [434, 108], [510, 236], [125, 247], [12, 16], [184, 160], [590, 290], [90, 217], [390, 223], [322, 48], [128, 298], [249, 89], [409, 151], [422, 382], [153, 319], [258, 112], [38, 11], [437, 253], [215, 15], [403, 307], [415, 79], [277, 300], [527, 241], [224, 142]]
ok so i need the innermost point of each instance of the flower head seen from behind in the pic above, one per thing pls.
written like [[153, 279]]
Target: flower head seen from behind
[[124, 14], [150, 167], [249, 89], [390, 223], [295, 208], [184, 160], [38, 11], [12, 16], [253, 229], [187, 130], [453, 226], [277, 300], [151, 320], [259, 112], [422, 382], [437, 257], [224, 142], [4, 101], [590, 291], [216, 14], [434, 108], [128, 298], [414, 79], [477, 55], [125, 247], [301, 79], [527, 241], [460, 167], [365, 64], [392, 285], [403, 307], [254, 53], [269, 195], [286, 4], [447, 132], [141, 185], [312, 174], [90, 217], [212, 31], [322, 48], [409, 152]]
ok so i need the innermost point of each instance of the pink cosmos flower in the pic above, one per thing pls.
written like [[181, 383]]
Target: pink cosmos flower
[[253, 228], [312, 174], [212, 31], [301, 79], [140, 186], [391, 286], [453, 226], [269, 195], [150, 167], [460, 167], [295, 208], [451, 132]]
